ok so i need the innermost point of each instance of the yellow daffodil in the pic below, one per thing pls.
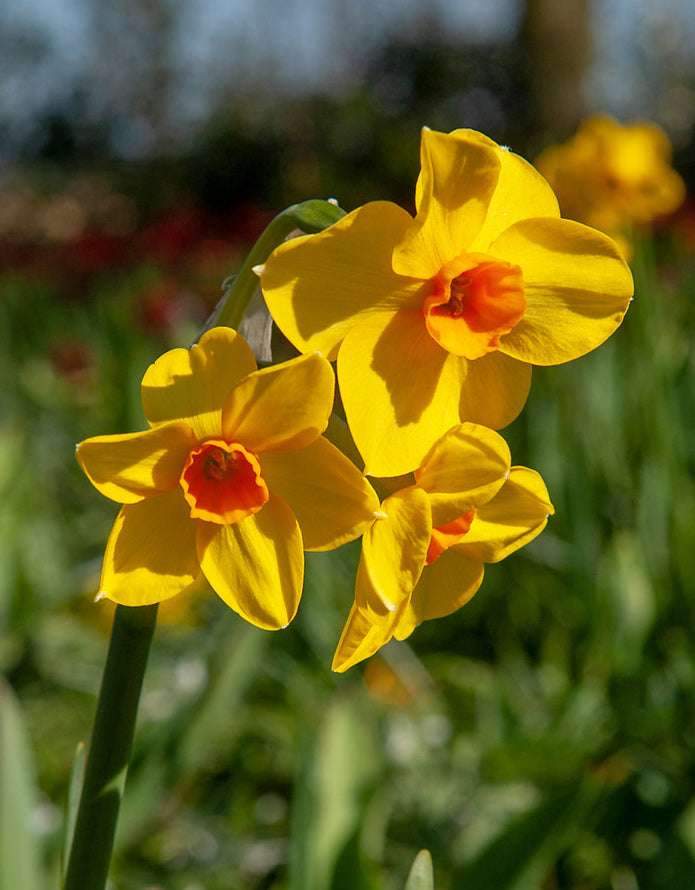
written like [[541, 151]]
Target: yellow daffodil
[[614, 177], [438, 319], [424, 557], [233, 480]]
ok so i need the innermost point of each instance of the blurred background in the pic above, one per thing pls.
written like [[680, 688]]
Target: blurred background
[[543, 737]]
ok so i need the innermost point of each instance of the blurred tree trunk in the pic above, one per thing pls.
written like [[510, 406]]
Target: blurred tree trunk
[[556, 37]]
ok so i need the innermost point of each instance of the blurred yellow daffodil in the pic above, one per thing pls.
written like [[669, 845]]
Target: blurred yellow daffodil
[[438, 319], [614, 177], [234, 480], [424, 557]]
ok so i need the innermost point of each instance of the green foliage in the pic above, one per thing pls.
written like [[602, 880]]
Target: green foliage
[[73, 800], [421, 876], [339, 766], [19, 846]]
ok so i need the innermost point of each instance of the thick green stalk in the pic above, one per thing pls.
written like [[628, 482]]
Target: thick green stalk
[[109, 751], [310, 217]]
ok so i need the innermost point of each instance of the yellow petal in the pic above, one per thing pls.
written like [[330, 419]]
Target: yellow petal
[[284, 406], [330, 498], [578, 288], [494, 390], [517, 513], [444, 586], [130, 467], [362, 636], [150, 555], [394, 550], [457, 182], [466, 468], [319, 286], [521, 193], [461, 133], [257, 565], [400, 391], [192, 384]]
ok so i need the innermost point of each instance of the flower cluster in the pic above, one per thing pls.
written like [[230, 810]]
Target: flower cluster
[[613, 177], [435, 322]]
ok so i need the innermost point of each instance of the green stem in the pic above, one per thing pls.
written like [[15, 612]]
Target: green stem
[[109, 751], [310, 217]]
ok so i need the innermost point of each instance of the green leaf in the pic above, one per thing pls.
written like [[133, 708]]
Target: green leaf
[[421, 875], [338, 769], [20, 853], [74, 792], [351, 872], [519, 857]]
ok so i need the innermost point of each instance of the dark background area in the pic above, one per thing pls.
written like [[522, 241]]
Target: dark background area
[[275, 103]]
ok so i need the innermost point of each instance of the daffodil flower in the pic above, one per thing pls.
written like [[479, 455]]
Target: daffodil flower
[[233, 480], [614, 177], [424, 557], [438, 319]]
